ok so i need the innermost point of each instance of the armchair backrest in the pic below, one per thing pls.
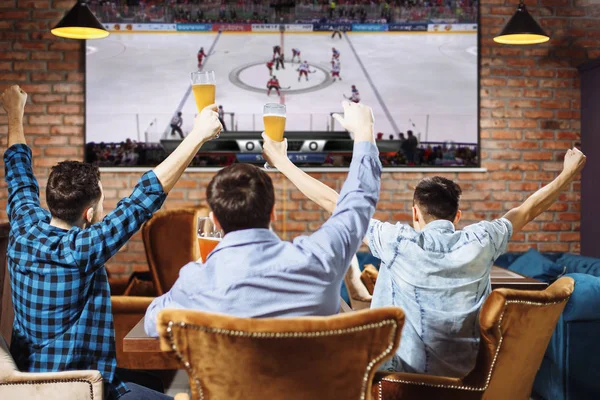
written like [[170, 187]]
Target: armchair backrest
[[516, 327], [281, 358], [170, 243]]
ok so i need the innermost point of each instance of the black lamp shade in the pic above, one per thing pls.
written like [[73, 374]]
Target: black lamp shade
[[80, 23], [522, 29]]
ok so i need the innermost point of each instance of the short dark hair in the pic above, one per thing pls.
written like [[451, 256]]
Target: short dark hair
[[438, 197], [72, 187], [242, 197]]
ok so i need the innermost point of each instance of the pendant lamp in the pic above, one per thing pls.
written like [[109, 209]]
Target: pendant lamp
[[522, 29], [80, 23]]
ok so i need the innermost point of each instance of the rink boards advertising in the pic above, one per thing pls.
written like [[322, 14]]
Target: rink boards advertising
[[438, 27]]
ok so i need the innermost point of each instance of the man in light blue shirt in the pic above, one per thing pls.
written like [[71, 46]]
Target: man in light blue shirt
[[251, 272], [438, 275]]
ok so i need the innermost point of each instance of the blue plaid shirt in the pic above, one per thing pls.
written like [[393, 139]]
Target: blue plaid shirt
[[63, 316]]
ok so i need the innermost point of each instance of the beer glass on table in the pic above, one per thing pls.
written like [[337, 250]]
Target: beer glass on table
[[274, 121], [204, 87], [208, 236]]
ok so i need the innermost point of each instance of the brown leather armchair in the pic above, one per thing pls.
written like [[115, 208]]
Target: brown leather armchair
[[281, 358], [170, 243], [516, 326]]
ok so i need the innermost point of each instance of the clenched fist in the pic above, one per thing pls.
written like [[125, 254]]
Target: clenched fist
[[13, 101], [574, 161]]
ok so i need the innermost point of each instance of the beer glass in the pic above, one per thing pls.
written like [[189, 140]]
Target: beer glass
[[204, 87], [208, 236], [274, 121]]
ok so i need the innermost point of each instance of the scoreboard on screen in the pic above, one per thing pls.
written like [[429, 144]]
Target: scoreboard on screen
[[303, 147]]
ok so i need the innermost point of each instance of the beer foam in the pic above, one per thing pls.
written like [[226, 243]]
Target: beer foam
[[216, 239], [274, 115]]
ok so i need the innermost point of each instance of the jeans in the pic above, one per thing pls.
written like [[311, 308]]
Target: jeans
[[137, 392], [142, 385]]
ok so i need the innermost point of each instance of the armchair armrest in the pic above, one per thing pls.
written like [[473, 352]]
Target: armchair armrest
[[49, 385], [130, 304], [397, 386], [582, 306]]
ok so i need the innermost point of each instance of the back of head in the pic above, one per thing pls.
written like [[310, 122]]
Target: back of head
[[241, 196], [438, 198], [72, 187]]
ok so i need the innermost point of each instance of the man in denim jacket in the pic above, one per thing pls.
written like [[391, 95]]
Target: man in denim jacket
[[438, 275]]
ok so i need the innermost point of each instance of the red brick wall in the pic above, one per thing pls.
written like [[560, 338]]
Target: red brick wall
[[530, 114]]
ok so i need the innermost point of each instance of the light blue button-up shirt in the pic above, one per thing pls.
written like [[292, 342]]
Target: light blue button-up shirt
[[440, 277], [253, 273]]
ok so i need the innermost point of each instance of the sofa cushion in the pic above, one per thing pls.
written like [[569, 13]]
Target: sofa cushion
[[506, 259], [580, 264], [536, 266], [583, 304]]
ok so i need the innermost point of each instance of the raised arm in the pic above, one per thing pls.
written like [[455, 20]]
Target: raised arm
[[147, 197], [13, 101], [23, 205], [276, 154], [541, 200], [206, 127], [336, 242]]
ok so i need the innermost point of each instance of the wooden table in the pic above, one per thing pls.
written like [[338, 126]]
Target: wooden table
[[137, 341], [503, 278]]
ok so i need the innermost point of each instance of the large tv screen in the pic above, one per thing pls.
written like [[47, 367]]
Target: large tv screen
[[420, 78]]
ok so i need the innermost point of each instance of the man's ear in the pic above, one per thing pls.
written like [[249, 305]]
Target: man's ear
[[457, 218], [273, 215], [88, 216], [415, 214]]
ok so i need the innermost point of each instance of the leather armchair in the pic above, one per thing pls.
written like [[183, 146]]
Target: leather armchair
[[170, 243], [280, 358], [516, 326], [67, 385]]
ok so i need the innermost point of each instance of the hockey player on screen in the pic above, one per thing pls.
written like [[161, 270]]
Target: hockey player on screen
[[201, 55], [303, 69], [335, 71], [270, 67], [355, 96], [273, 84], [335, 55], [295, 53], [279, 62], [276, 51], [336, 31]]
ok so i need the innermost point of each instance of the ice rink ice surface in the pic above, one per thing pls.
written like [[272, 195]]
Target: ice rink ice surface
[[429, 80]]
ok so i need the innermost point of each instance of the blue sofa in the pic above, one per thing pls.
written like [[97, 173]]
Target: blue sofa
[[570, 369]]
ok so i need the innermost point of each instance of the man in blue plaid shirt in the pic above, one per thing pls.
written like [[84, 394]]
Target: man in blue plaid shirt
[[63, 318]]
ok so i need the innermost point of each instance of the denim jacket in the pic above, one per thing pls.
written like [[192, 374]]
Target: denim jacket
[[440, 277]]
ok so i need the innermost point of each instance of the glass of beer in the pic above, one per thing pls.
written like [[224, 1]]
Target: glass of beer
[[208, 236], [204, 87], [274, 120]]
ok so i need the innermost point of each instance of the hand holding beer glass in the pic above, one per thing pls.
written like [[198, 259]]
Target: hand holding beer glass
[[274, 120], [204, 87], [208, 236]]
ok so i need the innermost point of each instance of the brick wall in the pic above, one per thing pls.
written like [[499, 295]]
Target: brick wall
[[530, 114]]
